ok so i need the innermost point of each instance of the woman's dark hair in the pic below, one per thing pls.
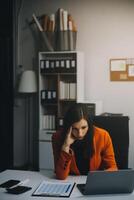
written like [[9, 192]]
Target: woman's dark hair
[[74, 114]]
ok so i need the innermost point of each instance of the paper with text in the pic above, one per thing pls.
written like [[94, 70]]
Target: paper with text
[[47, 188]]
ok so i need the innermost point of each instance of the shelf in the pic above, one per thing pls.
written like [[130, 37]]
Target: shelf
[[57, 73], [48, 104], [67, 100], [45, 135]]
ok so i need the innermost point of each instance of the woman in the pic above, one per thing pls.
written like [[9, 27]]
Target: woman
[[81, 147]]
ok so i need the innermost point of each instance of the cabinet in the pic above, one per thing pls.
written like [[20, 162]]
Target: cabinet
[[61, 83]]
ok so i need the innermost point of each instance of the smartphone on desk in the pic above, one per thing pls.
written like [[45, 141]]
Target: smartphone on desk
[[18, 189], [9, 183]]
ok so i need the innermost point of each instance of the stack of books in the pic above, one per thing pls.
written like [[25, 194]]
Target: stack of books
[[67, 90]]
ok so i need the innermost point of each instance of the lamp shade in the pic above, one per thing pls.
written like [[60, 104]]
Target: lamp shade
[[28, 82]]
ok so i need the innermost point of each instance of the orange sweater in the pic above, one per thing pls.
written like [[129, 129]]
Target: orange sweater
[[103, 157]]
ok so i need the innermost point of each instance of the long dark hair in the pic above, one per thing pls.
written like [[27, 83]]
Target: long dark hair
[[74, 114]]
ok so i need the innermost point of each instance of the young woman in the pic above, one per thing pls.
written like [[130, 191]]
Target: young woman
[[81, 147]]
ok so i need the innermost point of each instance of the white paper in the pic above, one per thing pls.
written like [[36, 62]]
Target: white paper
[[47, 188], [118, 65], [130, 70]]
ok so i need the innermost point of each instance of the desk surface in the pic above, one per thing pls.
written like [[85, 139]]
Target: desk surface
[[35, 178]]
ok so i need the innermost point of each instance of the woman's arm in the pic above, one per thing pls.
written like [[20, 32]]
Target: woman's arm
[[62, 157], [108, 157]]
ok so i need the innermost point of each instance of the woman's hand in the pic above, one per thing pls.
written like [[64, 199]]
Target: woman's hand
[[68, 141]]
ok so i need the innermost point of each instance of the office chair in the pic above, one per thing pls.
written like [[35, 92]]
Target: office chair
[[118, 128]]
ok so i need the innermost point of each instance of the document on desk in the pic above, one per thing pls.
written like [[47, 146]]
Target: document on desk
[[54, 189]]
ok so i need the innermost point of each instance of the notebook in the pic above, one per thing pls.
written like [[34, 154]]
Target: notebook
[[54, 189], [108, 182]]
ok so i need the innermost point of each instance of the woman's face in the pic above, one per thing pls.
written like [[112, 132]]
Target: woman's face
[[79, 129]]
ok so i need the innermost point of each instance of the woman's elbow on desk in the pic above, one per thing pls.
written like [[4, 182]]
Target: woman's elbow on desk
[[61, 173], [61, 176]]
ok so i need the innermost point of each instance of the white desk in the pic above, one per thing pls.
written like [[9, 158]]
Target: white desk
[[36, 177]]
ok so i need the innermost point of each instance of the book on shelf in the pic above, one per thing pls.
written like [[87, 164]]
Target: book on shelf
[[72, 90], [57, 63], [67, 90], [67, 64], [73, 63], [61, 65], [48, 122], [48, 96]]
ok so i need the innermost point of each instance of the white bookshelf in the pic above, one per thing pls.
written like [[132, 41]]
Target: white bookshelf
[[61, 83]]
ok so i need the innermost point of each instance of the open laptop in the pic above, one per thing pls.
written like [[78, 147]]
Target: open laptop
[[108, 182]]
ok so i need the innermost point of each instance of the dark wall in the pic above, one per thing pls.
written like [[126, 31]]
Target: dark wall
[[6, 85]]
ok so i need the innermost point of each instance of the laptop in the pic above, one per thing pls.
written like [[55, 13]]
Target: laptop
[[108, 182]]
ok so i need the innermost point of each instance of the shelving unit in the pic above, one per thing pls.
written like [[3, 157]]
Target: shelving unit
[[61, 83]]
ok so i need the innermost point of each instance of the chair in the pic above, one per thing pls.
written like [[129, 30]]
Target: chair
[[118, 128]]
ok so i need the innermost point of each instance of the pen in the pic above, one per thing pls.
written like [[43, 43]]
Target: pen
[[20, 183], [68, 188]]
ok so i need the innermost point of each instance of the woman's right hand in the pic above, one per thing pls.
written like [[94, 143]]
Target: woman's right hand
[[69, 139]]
